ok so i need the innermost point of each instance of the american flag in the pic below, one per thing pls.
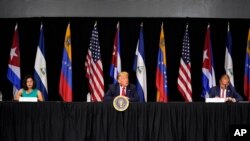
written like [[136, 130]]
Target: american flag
[[93, 66], [184, 78]]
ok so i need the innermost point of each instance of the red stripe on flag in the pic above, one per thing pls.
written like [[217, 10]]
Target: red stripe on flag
[[65, 90], [162, 96], [247, 87]]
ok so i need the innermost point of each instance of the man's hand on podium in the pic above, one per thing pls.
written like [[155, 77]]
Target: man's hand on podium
[[230, 99]]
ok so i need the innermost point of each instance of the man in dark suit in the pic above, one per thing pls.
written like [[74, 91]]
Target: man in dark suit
[[122, 88], [225, 90]]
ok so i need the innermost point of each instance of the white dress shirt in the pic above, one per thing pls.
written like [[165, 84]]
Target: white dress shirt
[[121, 90], [223, 93]]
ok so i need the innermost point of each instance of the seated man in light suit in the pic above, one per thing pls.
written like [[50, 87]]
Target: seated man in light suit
[[122, 88], [225, 90]]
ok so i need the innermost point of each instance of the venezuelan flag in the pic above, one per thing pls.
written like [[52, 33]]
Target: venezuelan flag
[[65, 86], [247, 69], [161, 71]]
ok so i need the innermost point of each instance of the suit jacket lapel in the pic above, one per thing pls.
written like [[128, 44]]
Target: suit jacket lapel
[[127, 90], [228, 93], [218, 91], [117, 89]]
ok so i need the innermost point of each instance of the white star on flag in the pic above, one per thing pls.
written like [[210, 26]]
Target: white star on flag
[[13, 53]]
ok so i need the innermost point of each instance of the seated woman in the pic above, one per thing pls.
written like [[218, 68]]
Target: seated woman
[[29, 89]]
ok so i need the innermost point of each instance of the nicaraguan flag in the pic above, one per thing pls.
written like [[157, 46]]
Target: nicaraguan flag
[[228, 57], [40, 73], [140, 68]]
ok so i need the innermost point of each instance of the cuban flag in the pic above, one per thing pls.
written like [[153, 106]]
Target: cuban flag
[[140, 68], [228, 57], [116, 66], [208, 75], [14, 74], [40, 73]]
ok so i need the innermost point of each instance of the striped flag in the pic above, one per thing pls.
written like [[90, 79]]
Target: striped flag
[[94, 69], [140, 68], [14, 73], [247, 69], [228, 57], [208, 75], [161, 71], [184, 78], [116, 65], [65, 85], [40, 73]]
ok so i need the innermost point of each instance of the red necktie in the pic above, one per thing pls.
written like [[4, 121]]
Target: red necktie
[[123, 91], [222, 95]]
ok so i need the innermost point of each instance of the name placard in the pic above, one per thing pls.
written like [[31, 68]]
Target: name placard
[[28, 99], [215, 100]]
